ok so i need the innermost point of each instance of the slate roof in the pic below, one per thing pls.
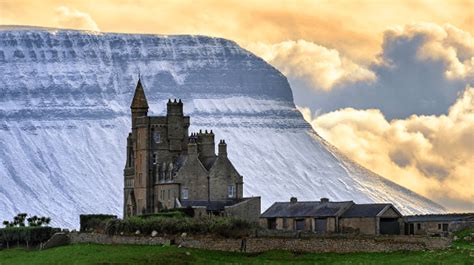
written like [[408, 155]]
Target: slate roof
[[210, 205], [439, 217], [306, 209], [208, 162], [139, 99], [365, 210]]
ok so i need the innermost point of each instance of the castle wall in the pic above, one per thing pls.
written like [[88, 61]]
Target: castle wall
[[165, 195], [249, 209], [142, 178], [193, 176], [221, 176]]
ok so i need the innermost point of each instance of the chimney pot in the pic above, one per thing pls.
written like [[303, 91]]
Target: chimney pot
[[293, 199], [324, 200]]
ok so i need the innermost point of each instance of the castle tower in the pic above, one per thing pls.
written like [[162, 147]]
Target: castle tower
[[177, 133], [140, 147]]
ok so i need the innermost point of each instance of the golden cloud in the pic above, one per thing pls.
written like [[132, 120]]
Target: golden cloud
[[354, 28], [431, 155], [321, 67], [72, 18]]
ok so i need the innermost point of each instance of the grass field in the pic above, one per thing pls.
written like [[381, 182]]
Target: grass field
[[460, 253]]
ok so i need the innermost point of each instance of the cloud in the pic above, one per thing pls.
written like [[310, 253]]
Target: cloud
[[74, 19], [421, 70], [447, 44], [431, 155], [354, 28], [320, 67]]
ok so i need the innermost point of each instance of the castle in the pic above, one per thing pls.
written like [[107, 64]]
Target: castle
[[168, 168]]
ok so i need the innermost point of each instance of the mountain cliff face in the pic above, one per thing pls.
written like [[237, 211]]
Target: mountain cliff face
[[64, 118]]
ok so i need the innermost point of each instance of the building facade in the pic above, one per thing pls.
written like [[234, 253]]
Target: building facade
[[437, 224], [327, 217], [167, 167]]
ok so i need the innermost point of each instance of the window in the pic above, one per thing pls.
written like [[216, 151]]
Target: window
[[272, 224], [140, 179], [445, 227], [300, 224], [231, 191], [418, 226], [169, 194], [285, 223], [156, 137], [185, 193], [439, 226], [154, 158]]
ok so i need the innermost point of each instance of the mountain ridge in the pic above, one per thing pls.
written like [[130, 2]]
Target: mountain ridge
[[64, 118]]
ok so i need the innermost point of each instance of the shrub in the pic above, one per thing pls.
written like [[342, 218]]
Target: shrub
[[26, 235], [94, 222], [177, 212], [223, 226], [19, 221]]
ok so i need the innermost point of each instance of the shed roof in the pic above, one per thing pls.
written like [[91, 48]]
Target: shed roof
[[439, 217], [365, 210], [306, 209]]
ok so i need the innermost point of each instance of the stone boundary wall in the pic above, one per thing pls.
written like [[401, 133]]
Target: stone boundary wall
[[262, 244], [95, 238]]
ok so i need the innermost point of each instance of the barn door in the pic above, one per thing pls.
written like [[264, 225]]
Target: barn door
[[389, 226]]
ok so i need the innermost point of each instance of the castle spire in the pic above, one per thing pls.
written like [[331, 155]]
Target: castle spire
[[139, 99]]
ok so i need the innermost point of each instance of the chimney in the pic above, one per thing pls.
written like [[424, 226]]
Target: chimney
[[192, 147], [206, 145], [293, 199], [222, 152], [324, 200]]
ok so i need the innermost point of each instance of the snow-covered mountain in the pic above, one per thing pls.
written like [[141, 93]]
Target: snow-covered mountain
[[64, 118]]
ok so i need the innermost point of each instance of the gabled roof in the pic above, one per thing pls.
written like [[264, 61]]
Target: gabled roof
[[208, 162], [139, 99], [439, 217], [306, 209], [367, 210]]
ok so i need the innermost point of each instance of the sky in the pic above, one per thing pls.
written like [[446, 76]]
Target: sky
[[388, 82]]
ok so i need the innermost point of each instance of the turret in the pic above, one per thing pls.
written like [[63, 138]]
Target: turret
[[174, 108], [222, 149], [139, 103], [176, 128], [206, 145]]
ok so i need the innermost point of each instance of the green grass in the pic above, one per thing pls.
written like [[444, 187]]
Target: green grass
[[461, 252], [169, 255]]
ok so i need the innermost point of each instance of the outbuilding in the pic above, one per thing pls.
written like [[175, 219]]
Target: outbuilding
[[372, 219], [437, 224], [326, 216]]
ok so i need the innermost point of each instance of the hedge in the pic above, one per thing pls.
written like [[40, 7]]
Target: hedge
[[223, 226], [94, 222], [26, 235]]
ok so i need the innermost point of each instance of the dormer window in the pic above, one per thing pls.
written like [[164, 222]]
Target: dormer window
[[156, 137], [231, 191]]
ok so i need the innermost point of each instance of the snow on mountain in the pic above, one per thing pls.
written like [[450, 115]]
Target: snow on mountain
[[64, 118]]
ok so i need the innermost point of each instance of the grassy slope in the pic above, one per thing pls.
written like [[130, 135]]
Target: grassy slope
[[461, 253]]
